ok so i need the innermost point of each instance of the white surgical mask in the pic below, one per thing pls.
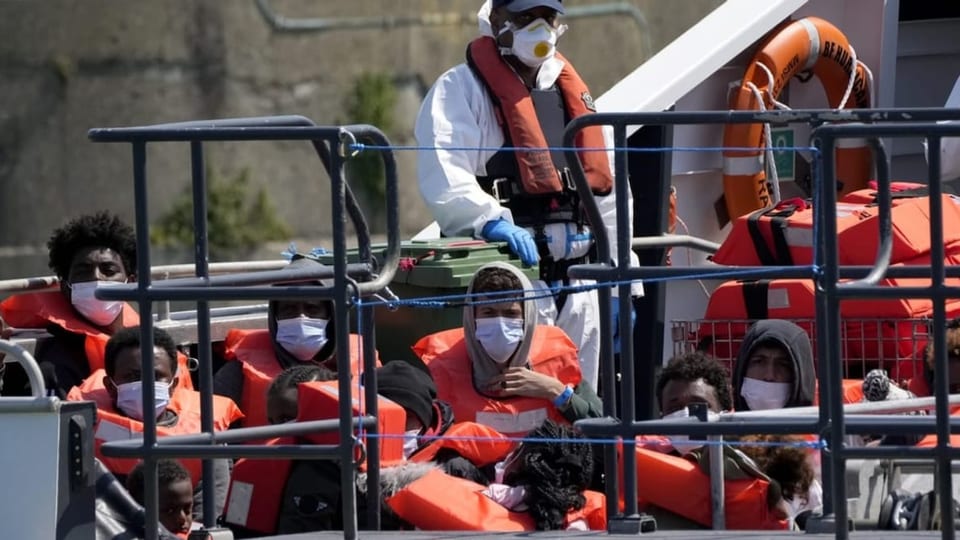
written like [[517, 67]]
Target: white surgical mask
[[302, 337], [99, 312], [763, 395], [682, 443], [130, 401], [535, 43], [410, 442], [499, 336]]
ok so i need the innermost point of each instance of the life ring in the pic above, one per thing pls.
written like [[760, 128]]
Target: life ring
[[807, 45]]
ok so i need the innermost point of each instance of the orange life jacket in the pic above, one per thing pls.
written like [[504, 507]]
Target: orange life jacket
[[551, 353], [256, 485], [488, 447], [37, 310], [678, 485], [256, 491], [518, 117], [439, 502], [113, 426], [254, 348]]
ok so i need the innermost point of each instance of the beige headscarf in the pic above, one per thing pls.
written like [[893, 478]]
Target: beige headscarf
[[484, 367]]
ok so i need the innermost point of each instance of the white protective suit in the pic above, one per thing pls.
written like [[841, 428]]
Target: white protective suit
[[458, 114], [950, 146]]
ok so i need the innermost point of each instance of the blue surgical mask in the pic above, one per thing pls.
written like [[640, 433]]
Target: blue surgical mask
[[499, 336], [303, 337]]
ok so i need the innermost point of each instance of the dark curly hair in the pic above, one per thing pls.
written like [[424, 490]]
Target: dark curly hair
[[788, 465], [555, 470], [693, 366], [169, 471], [99, 230], [301, 373], [129, 338]]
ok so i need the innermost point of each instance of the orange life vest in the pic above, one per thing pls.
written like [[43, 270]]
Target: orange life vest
[[254, 348], [551, 353], [256, 485], [518, 117], [678, 485], [113, 426], [488, 447], [439, 502], [37, 310], [256, 491]]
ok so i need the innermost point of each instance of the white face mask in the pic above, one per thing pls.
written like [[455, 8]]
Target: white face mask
[[99, 312], [535, 43], [499, 336], [763, 395], [129, 399], [302, 337], [682, 443], [410, 442]]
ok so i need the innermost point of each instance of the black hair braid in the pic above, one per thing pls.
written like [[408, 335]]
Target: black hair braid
[[555, 473]]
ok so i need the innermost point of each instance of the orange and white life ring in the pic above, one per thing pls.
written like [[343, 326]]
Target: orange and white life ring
[[807, 45]]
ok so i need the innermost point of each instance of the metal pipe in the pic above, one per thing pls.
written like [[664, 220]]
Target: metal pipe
[[885, 203], [674, 240], [870, 407], [17, 354], [717, 484], [281, 23], [201, 267], [208, 453]]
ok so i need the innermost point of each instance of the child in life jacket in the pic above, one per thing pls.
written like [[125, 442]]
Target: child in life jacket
[[174, 492], [546, 477], [282, 395]]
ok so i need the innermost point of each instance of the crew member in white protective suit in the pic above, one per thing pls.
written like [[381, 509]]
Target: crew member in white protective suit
[[476, 187], [950, 146]]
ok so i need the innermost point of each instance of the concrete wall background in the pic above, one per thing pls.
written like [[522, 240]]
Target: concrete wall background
[[69, 65]]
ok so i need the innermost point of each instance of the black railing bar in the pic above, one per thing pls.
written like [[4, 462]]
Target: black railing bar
[[674, 240], [229, 293], [597, 271], [871, 407], [208, 134], [674, 427], [896, 452], [208, 452], [251, 121], [243, 435], [280, 276], [899, 130], [796, 116], [867, 292]]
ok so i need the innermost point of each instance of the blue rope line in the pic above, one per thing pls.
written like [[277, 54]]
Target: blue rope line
[[446, 301], [818, 444], [359, 147]]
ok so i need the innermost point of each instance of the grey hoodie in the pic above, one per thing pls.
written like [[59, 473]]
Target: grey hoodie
[[797, 343]]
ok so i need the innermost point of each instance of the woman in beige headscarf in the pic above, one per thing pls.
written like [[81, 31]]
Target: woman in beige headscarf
[[502, 369]]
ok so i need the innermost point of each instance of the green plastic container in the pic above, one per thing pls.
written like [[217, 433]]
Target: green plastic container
[[430, 269]]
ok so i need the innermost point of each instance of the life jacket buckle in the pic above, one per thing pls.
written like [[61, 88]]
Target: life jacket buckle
[[566, 178], [496, 190]]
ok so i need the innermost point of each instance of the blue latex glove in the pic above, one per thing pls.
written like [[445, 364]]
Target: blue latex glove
[[615, 321], [520, 241]]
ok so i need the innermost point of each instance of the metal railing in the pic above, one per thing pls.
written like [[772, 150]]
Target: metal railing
[[350, 281], [826, 272]]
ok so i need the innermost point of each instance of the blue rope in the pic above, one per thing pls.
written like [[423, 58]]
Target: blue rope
[[359, 147], [818, 444], [447, 301]]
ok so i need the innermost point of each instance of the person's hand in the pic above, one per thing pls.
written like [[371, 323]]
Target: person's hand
[[520, 381], [519, 239], [615, 321]]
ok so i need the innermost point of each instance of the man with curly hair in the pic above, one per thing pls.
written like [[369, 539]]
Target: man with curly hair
[[95, 250]]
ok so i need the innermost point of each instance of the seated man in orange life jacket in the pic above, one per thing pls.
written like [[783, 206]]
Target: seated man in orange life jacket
[[116, 390], [298, 332], [502, 369], [698, 378], [89, 251]]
